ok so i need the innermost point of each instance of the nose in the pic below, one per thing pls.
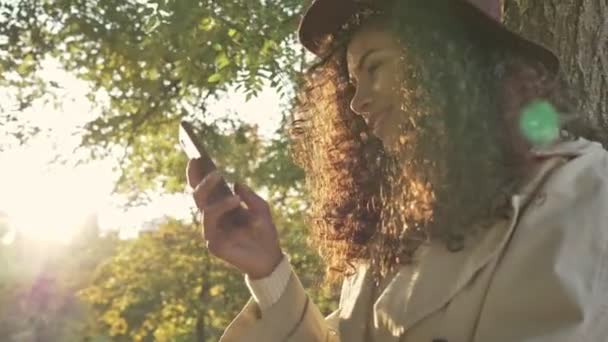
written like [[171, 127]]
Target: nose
[[362, 100]]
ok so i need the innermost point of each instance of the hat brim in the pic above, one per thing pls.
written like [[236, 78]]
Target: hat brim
[[325, 17]]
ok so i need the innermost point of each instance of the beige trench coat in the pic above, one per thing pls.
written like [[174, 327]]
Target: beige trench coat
[[540, 276]]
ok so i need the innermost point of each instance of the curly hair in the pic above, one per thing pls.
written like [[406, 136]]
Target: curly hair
[[371, 205]]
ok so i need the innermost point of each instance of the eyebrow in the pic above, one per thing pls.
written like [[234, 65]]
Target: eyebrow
[[362, 61]]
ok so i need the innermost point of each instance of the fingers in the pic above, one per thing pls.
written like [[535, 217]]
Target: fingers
[[214, 212], [254, 202], [204, 188]]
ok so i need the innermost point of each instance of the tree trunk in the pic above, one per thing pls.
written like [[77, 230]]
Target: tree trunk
[[577, 31], [201, 332]]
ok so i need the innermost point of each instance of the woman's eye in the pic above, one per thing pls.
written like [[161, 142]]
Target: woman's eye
[[373, 67]]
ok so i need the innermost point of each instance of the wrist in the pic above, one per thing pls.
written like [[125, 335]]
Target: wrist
[[263, 273]]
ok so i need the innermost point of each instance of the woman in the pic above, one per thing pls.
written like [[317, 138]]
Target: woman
[[448, 195]]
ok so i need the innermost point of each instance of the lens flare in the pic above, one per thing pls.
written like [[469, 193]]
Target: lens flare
[[539, 123]]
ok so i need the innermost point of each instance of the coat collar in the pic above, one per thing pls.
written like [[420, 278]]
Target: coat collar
[[420, 289], [569, 148]]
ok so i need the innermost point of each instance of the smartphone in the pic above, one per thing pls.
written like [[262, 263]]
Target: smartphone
[[194, 149]]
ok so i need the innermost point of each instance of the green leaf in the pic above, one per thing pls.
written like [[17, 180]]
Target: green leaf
[[207, 24], [222, 61], [215, 78]]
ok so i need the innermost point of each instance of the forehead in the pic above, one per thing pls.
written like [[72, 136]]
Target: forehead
[[370, 37]]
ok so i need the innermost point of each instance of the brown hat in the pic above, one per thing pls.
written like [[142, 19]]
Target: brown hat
[[325, 17]]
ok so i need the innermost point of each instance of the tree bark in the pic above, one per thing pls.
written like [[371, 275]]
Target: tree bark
[[577, 31]]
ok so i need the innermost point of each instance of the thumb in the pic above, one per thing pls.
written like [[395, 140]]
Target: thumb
[[194, 173], [253, 201]]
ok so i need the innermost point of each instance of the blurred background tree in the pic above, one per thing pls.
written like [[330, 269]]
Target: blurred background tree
[[164, 286], [39, 281]]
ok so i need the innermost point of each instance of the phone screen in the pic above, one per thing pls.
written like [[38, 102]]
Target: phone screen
[[187, 140], [194, 149]]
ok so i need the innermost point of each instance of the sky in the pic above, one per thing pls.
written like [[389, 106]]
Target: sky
[[49, 201]]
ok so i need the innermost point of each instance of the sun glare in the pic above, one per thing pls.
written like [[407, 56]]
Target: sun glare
[[44, 201], [49, 204]]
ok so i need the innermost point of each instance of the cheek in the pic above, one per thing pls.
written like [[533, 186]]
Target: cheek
[[389, 82]]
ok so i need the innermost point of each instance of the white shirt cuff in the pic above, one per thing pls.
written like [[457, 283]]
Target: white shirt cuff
[[267, 291]]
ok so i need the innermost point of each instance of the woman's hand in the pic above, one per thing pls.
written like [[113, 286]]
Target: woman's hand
[[253, 247]]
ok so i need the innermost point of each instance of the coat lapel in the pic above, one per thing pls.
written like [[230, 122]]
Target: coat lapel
[[419, 290], [356, 300]]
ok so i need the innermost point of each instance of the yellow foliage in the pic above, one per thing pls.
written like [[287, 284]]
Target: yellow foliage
[[216, 290], [118, 327]]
